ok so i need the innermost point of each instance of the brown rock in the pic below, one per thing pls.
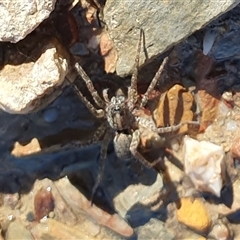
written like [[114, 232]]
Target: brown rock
[[174, 107], [43, 203]]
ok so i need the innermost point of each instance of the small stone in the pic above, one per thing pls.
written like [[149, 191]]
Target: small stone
[[51, 214], [220, 232], [43, 204], [194, 214], [79, 49], [30, 217], [204, 164], [50, 115]]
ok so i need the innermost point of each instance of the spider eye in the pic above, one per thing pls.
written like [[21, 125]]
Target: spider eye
[[116, 109]]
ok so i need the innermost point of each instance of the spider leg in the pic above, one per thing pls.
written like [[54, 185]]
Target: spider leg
[[75, 144], [105, 95], [90, 86], [133, 148], [175, 127], [153, 82], [103, 155], [132, 90], [98, 113]]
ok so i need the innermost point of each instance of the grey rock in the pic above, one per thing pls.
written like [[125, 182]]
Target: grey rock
[[50, 115], [19, 18], [16, 230], [154, 228], [164, 23]]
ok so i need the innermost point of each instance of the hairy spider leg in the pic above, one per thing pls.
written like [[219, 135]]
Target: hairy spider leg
[[134, 150], [103, 155], [153, 83], [132, 90], [90, 86], [175, 127]]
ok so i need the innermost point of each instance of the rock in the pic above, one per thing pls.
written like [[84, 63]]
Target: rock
[[204, 164], [194, 214], [17, 231], [79, 203], [208, 93], [161, 21], [235, 148], [61, 211], [176, 110], [19, 18], [22, 150], [43, 203], [50, 115], [130, 201], [57, 230], [155, 229], [28, 86], [108, 52], [220, 231]]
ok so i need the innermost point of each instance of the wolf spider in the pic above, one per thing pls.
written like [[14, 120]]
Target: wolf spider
[[120, 114]]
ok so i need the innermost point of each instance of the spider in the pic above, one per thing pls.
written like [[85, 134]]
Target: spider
[[120, 112]]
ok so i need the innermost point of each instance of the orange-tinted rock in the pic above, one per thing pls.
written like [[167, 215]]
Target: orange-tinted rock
[[43, 203], [235, 149], [174, 107], [194, 214], [108, 52]]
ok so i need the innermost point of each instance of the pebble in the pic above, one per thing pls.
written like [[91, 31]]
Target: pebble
[[208, 41], [50, 115], [43, 203], [220, 231], [232, 126], [194, 214], [51, 214], [79, 49]]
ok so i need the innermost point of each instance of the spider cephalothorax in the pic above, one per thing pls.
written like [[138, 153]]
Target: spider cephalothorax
[[117, 112]]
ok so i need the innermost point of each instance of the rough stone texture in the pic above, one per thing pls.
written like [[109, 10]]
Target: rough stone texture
[[19, 18], [164, 23], [30, 85], [16, 230]]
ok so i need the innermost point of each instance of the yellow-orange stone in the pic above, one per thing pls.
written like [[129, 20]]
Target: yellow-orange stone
[[194, 214]]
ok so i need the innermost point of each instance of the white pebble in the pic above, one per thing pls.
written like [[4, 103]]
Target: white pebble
[[208, 41], [232, 126], [50, 115]]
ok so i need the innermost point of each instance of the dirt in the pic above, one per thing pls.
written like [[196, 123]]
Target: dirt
[[132, 201]]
